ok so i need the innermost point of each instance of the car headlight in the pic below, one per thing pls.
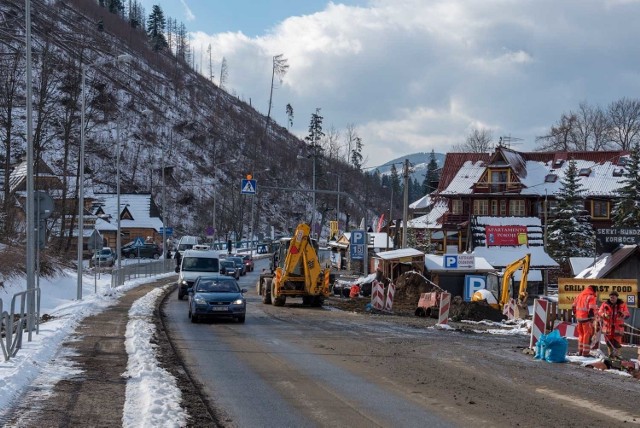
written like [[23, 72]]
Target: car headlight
[[184, 282], [200, 301], [238, 302]]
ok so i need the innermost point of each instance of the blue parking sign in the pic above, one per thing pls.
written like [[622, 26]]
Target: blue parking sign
[[357, 244]]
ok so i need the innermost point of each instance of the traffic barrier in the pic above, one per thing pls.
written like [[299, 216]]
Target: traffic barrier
[[388, 303], [510, 309], [566, 329], [377, 295], [445, 304], [539, 325]]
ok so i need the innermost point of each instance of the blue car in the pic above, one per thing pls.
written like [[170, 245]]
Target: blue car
[[217, 297]]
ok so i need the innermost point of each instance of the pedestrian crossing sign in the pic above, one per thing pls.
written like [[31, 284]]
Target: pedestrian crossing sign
[[248, 187]]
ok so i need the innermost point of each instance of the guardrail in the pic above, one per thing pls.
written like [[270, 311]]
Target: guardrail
[[12, 324], [140, 270]]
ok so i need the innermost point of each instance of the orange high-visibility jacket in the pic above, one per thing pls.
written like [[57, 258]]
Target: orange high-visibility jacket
[[612, 316], [584, 307]]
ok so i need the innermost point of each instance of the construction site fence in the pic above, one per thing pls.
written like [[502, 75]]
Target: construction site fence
[[631, 328], [141, 270]]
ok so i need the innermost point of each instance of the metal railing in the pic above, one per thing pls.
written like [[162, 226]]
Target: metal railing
[[13, 324], [140, 270]]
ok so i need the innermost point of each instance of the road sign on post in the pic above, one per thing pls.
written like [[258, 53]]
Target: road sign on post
[[248, 187], [139, 242], [168, 231], [95, 241], [357, 245]]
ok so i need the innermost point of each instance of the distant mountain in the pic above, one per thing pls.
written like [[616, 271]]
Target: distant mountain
[[417, 161]]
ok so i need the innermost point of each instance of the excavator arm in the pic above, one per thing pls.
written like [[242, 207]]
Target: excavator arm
[[509, 271]]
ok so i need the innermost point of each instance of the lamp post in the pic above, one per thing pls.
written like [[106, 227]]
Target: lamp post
[[405, 211], [215, 195], [124, 58], [313, 156]]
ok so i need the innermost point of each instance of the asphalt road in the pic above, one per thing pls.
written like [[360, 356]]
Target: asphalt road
[[300, 366]]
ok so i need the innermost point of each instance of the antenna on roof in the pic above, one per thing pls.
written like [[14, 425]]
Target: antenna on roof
[[508, 141]]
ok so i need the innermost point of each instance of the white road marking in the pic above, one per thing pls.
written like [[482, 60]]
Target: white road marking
[[593, 406]]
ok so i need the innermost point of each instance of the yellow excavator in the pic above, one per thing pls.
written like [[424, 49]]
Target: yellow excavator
[[522, 310], [295, 272]]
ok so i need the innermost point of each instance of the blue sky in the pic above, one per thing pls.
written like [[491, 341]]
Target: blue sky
[[415, 75]]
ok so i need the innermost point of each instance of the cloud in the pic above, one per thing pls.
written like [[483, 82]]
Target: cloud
[[189, 16], [413, 75]]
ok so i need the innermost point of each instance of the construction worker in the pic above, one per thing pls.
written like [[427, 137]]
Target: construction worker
[[585, 309], [612, 314]]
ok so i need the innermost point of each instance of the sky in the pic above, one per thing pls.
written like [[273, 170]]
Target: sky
[[44, 361], [419, 75]]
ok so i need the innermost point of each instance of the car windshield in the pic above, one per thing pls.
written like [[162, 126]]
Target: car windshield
[[200, 264], [183, 247], [227, 264], [217, 286], [105, 252], [237, 260]]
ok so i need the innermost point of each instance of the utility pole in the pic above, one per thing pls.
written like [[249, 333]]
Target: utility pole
[[405, 211]]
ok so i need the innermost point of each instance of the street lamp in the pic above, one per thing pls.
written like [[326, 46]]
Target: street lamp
[[314, 155], [125, 58], [215, 195]]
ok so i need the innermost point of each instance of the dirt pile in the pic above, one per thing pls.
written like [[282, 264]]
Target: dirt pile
[[473, 311]]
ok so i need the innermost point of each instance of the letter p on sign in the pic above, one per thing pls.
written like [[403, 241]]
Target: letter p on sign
[[450, 261]]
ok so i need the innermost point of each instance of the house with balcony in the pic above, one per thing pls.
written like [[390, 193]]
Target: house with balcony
[[477, 190]]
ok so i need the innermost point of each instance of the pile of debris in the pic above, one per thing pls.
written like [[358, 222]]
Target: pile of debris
[[473, 311]]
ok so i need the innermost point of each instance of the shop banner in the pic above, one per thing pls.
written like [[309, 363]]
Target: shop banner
[[506, 235], [569, 288]]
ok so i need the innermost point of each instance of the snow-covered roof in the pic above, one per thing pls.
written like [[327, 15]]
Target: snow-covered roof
[[533, 275], [609, 261], [139, 205], [430, 220], [399, 253], [508, 221], [423, 202], [468, 174], [502, 256], [594, 270], [578, 264], [434, 263]]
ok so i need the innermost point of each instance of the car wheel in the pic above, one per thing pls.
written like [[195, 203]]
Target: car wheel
[[277, 301], [194, 318], [266, 293], [189, 311], [241, 319], [156, 256], [132, 255], [180, 295]]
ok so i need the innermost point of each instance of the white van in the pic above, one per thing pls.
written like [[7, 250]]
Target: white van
[[187, 243], [195, 263]]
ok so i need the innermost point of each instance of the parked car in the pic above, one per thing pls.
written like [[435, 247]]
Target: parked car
[[147, 250], [228, 267], [239, 264], [105, 257], [248, 262], [216, 296]]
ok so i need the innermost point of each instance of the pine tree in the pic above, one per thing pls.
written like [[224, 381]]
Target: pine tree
[[115, 6], [570, 233], [356, 153], [394, 178], [315, 130], [289, 111], [432, 174], [155, 29], [224, 73], [626, 211]]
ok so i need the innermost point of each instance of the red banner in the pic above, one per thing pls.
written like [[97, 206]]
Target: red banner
[[506, 235]]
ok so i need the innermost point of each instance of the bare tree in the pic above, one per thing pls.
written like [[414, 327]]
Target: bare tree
[[279, 69], [624, 116], [561, 136], [210, 62], [351, 135], [591, 128], [331, 143], [478, 141]]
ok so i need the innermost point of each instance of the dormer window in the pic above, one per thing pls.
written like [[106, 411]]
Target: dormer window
[[551, 178], [618, 172], [584, 172], [558, 163]]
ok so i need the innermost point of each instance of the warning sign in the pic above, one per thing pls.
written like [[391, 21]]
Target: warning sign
[[569, 288], [248, 187]]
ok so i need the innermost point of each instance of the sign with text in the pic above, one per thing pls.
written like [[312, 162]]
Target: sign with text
[[569, 288], [506, 235], [357, 244], [458, 261], [608, 239]]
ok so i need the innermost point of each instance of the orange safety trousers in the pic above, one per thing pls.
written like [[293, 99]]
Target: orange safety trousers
[[585, 333]]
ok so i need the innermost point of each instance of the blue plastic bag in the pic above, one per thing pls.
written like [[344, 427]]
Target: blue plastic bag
[[556, 348], [541, 347]]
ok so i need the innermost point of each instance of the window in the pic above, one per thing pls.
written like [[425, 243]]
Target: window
[[516, 208], [584, 172], [481, 207], [499, 180], [600, 209], [456, 206], [503, 208], [550, 178], [494, 207]]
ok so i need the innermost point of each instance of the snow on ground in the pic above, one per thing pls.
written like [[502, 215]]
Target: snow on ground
[[35, 358]]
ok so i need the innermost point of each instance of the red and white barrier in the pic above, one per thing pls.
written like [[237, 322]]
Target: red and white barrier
[[540, 317], [388, 303], [566, 329], [445, 304], [377, 295], [510, 309]]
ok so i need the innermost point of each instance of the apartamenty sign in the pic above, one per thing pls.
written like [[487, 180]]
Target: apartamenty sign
[[569, 288], [506, 235]]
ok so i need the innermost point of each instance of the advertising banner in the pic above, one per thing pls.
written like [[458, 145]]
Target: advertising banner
[[506, 235], [608, 239], [569, 288]]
